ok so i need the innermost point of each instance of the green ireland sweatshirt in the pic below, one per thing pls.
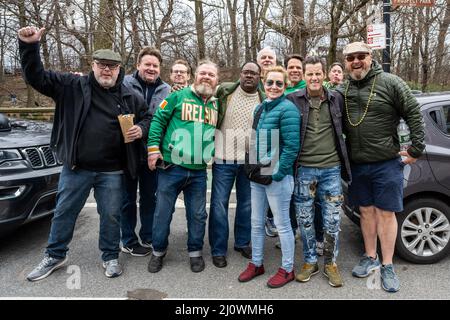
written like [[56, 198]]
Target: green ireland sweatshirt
[[182, 129]]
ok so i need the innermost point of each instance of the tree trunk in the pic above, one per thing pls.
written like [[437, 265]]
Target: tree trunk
[[58, 18], [135, 38], [23, 23], [199, 27], [248, 55], [254, 30], [425, 50], [104, 35], [335, 15], [232, 8], [415, 50], [440, 50], [298, 23]]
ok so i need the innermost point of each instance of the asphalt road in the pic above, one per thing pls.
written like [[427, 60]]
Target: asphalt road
[[83, 275]]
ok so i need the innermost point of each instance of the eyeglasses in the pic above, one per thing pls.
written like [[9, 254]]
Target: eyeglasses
[[103, 66], [360, 57], [179, 71], [249, 73], [278, 83]]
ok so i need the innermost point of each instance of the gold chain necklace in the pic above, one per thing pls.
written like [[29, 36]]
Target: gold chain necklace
[[367, 106]]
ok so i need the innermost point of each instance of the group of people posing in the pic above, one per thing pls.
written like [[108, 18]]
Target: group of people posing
[[282, 134]]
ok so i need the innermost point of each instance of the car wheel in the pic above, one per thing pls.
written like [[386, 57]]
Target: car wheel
[[423, 231]]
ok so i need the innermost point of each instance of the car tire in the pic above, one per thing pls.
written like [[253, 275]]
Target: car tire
[[412, 231]]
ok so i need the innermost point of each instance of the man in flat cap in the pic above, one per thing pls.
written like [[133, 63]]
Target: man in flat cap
[[374, 102], [88, 139]]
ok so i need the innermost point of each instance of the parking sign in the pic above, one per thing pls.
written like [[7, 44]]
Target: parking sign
[[376, 36]]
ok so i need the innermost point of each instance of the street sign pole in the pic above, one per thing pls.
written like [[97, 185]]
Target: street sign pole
[[387, 21]]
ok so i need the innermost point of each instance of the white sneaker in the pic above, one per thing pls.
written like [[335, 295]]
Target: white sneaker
[[112, 268]]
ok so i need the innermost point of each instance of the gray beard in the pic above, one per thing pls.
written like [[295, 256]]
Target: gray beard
[[106, 83], [361, 76], [204, 90]]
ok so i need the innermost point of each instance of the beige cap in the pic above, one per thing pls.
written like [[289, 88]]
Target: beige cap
[[356, 47]]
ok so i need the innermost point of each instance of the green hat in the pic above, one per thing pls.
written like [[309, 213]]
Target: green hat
[[107, 54]]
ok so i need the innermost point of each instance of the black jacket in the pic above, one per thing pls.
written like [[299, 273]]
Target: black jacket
[[72, 96], [336, 103]]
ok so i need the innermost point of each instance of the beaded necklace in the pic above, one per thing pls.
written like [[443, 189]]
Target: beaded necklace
[[367, 106]]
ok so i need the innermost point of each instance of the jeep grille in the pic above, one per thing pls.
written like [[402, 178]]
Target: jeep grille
[[40, 157]]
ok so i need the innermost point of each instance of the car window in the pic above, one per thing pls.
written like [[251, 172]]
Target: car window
[[447, 118], [441, 117]]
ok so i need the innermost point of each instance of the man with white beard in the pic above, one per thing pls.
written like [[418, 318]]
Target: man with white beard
[[374, 103], [180, 144]]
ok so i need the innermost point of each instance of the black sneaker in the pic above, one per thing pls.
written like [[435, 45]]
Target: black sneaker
[[156, 263], [147, 244], [137, 251], [219, 261], [245, 251], [197, 264]]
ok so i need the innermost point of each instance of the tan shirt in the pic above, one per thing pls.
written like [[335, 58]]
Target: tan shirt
[[232, 138]]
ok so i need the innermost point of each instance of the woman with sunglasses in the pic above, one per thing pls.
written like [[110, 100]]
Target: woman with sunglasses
[[277, 143]]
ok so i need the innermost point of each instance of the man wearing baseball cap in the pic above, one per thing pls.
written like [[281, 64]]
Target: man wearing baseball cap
[[88, 139], [374, 102]]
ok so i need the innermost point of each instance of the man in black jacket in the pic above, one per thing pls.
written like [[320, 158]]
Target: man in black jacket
[[322, 158], [87, 137]]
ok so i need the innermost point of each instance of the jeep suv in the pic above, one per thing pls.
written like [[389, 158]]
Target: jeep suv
[[424, 225], [29, 172]]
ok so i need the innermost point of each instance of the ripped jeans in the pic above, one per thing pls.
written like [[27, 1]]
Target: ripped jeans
[[326, 184]]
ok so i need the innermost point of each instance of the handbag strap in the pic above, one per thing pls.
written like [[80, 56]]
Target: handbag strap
[[252, 136], [257, 117]]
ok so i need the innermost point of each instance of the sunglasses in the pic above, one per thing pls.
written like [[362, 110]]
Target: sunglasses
[[278, 83], [103, 66], [360, 57]]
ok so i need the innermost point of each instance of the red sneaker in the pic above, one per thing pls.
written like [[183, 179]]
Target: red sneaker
[[251, 272], [281, 278]]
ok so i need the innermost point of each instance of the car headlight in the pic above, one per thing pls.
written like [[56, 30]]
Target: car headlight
[[9, 154]]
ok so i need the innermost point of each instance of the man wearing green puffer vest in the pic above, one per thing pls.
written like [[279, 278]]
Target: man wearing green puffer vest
[[374, 103], [181, 140]]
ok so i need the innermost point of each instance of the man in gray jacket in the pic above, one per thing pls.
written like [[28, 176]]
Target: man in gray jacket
[[146, 82]]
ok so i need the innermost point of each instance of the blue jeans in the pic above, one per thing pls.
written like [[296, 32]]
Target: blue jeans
[[224, 176], [147, 201], [73, 190], [170, 183], [325, 183], [277, 195]]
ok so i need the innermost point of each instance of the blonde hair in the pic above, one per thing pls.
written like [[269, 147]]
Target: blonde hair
[[278, 69]]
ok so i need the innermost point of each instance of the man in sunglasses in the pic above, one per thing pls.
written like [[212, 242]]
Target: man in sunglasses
[[374, 103], [237, 101], [322, 158], [88, 139], [145, 82]]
